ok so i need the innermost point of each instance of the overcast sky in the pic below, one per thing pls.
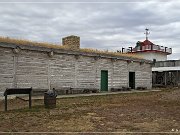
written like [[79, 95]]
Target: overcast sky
[[101, 24]]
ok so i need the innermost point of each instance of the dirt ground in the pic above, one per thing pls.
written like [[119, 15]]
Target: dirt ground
[[135, 112]]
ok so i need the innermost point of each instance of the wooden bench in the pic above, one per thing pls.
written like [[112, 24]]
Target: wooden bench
[[71, 90], [12, 91], [126, 88], [141, 88], [90, 90], [116, 89], [39, 92], [63, 90]]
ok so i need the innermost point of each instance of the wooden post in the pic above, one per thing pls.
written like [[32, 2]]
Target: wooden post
[[5, 102], [165, 78], [49, 75], [75, 73], [15, 58], [30, 100], [177, 81]]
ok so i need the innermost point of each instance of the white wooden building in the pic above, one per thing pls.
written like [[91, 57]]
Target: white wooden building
[[46, 66]]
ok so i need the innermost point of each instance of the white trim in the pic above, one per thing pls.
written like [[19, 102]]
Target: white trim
[[165, 69]]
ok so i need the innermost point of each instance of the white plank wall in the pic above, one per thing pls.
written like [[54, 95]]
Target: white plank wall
[[6, 69], [32, 70], [38, 70]]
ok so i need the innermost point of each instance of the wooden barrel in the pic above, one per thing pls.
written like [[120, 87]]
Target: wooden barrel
[[49, 101]]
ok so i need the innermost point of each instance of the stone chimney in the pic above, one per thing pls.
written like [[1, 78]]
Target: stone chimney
[[72, 42]]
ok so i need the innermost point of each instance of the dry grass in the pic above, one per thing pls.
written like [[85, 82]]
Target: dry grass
[[56, 46], [137, 112], [131, 55], [32, 43]]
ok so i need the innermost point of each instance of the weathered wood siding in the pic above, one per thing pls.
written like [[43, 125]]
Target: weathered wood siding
[[6, 69], [61, 68], [143, 74], [38, 70], [121, 74], [85, 72], [32, 69]]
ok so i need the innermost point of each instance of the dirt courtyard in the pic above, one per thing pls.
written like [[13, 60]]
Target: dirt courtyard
[[131, 112]]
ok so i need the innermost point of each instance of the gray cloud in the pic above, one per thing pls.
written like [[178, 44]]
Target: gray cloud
[[101, 25]]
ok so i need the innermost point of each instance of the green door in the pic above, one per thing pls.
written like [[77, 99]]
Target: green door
[[132, 80], [104, 80]]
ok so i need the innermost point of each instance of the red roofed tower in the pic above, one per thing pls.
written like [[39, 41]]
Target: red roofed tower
[[150, 51]]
